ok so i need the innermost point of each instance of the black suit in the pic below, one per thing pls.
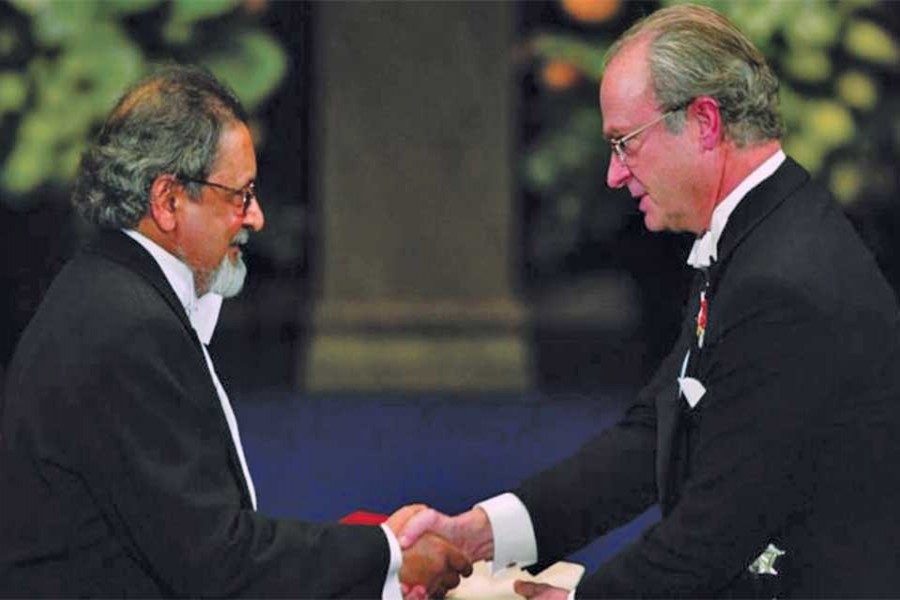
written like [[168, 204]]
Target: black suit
[[120, 475], [796, 441]]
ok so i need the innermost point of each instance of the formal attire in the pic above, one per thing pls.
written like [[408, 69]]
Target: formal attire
[[769, 435], [122, 469]]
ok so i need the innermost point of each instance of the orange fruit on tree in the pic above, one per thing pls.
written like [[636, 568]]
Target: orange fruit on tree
[[559, 75], [591, 11]]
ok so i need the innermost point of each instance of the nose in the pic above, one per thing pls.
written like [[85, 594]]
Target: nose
[[618, 173], [254, 219]]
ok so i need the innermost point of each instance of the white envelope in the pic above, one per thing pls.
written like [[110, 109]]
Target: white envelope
[[482, 586]]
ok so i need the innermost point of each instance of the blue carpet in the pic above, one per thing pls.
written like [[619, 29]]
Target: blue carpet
[[320, 457]]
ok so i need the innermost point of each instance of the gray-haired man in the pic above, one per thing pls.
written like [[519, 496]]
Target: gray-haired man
[[122, 458], [769, 435]]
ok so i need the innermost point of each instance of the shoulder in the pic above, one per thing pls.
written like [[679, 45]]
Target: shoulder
[[97, 308], [808, 250]]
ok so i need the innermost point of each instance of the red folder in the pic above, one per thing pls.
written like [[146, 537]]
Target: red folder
[[364, 517]]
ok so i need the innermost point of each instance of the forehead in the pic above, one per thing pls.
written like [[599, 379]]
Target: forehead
[[626, 92], [235, 158]]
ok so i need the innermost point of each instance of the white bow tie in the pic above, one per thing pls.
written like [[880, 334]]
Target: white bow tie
[[704, 251], [204, 315]]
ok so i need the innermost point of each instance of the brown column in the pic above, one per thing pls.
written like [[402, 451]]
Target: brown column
[[413, 120]]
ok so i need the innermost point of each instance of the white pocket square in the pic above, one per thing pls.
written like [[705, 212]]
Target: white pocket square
[[692, 389]]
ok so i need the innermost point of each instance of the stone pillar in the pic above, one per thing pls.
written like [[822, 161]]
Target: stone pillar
[[413, 121]]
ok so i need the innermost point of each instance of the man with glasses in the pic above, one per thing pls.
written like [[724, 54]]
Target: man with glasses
[[121, 470], [769, 436]]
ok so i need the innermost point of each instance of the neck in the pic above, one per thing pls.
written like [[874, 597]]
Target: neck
[[736, 165], [148, 228]]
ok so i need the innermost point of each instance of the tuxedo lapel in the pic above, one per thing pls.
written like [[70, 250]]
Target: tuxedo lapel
[[118, 247], [667, 412]]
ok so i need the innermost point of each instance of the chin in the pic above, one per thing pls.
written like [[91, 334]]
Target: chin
[[228, 278], [652, 224]]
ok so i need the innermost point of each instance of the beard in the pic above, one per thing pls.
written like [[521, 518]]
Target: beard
[[227, 279]]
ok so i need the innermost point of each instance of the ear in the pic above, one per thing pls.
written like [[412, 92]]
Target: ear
[[709, 120], [165, 194]]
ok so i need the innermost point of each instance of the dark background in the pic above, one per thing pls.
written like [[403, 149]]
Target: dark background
[[268, 324]]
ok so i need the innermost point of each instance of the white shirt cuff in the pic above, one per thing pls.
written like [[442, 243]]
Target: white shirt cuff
[[514, 541], [391, 590]]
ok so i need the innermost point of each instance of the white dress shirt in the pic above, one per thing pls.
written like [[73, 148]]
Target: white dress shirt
[[513, 531], [204, 314]]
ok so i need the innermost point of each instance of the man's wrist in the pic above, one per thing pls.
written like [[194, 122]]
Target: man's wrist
[[479, 543]]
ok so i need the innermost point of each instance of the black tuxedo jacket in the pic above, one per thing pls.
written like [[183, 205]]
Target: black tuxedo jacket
[[796, 441], [119, 474]]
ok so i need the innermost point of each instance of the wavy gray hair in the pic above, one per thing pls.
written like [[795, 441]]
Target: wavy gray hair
[[169, 122], [695, 51]]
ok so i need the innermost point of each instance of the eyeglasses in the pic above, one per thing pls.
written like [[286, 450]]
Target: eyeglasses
[[620, 144], [247, 193]]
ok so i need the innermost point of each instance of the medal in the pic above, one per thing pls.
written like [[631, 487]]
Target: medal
[[701, 318]]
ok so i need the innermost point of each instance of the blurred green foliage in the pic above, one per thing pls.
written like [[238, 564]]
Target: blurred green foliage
[[835, 60], [62, 72]]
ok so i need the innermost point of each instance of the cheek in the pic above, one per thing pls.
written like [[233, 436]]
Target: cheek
[[221, 230], [674, 173], [210, 240]]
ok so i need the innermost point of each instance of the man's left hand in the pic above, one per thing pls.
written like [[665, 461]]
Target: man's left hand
[[539, 591]]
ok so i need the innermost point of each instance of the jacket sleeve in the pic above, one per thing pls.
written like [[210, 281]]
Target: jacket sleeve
[[607, 482]]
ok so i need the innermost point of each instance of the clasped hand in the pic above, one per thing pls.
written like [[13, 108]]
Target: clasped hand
[[431, 564], [468, 534]]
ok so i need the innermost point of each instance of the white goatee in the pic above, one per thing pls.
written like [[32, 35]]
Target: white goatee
[[228, 278]]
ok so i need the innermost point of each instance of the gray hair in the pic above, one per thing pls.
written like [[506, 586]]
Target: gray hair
[[169, 122], [695, 51]]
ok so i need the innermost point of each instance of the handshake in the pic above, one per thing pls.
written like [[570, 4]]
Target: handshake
[[438, 549]]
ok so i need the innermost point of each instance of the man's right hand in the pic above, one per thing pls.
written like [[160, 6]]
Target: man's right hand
[[469, 531], [434, 564]]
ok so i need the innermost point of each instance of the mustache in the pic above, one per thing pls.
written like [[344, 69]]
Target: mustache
[[240, 238]]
